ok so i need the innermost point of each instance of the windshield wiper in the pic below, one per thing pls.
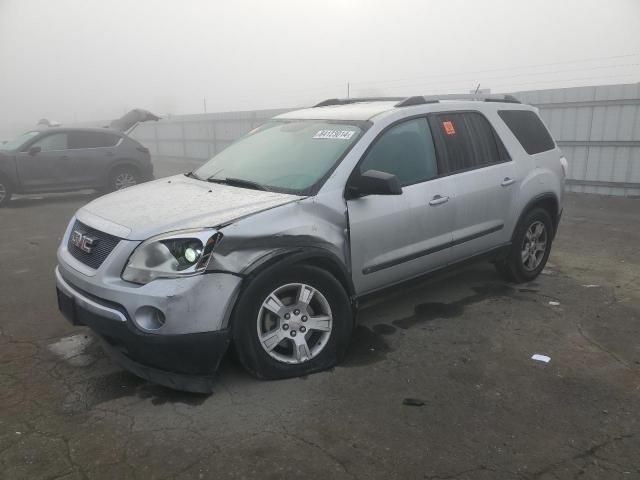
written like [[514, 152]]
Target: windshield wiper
[[238, 182], [192, 175]]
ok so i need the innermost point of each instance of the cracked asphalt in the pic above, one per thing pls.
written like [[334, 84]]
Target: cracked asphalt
[[459, 346]]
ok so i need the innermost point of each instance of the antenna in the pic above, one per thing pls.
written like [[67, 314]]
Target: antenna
[[477, 88]]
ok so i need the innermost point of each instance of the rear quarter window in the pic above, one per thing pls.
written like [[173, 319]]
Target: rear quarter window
[[527, 127]]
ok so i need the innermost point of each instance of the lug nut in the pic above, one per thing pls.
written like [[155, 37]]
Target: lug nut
[[285, 326], [293, 333], [304, 318], [303, 329], [287, 316], [296, 312]]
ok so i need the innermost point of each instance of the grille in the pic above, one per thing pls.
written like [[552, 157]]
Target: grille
[[103, 245]]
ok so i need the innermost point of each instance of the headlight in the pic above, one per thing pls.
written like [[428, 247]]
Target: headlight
[[171, 255]]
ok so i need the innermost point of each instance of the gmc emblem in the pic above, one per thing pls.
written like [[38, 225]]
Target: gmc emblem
[[83, 242]]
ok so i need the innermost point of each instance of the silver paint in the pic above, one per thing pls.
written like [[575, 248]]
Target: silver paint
[[261, 226]]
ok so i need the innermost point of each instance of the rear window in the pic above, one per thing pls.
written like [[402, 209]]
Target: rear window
[[92, 139], [528, 129]]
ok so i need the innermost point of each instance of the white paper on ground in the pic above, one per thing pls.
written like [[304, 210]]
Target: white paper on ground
[[541, 358], [555, 304]]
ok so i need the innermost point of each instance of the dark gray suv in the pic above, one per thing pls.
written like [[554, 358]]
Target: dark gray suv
[[65, 159]]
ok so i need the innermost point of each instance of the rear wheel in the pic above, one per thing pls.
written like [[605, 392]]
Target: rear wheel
[[123, 177], [530, 248], [5, 192], [292, 322]]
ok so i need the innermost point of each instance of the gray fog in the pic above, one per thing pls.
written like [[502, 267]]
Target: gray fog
[[79, 61]]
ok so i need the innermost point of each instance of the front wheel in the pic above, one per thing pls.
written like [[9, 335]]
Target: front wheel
[[5, 192], [530, 248], [292, 322]]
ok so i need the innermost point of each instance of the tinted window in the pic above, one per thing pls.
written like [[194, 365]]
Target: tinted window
[[406, 151], [454, 141], [55, 141], [528, 129], [483, 139], [92, 139]]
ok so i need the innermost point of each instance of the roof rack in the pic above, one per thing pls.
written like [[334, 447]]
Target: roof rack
[[420, 100], [347, 101], [472, 97]]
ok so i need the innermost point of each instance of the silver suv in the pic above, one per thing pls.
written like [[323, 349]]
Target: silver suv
[[272, 243]]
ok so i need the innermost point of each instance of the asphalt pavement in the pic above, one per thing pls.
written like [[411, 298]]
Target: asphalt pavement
[[438, 383]]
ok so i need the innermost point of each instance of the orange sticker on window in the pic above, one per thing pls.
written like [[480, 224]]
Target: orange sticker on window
[[448, 128]]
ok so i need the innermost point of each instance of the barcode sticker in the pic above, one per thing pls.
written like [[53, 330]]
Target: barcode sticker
[[335, 134]]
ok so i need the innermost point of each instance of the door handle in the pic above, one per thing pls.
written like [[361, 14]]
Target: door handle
[[507, 181], [438, 200]]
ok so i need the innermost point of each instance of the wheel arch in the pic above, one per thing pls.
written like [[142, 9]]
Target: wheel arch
[[122, 162], [312, 256], [547, 201]]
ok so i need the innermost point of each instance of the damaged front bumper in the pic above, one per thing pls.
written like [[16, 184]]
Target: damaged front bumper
[[183, 361]]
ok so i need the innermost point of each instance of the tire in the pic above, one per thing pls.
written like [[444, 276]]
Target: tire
[[123, 177], [527, 256], [256, 328], [5, 192]]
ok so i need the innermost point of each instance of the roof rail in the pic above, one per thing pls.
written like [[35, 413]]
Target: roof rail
[[421, 100], [455, 96], [346, 101]]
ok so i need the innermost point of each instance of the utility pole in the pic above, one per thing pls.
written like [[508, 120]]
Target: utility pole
[[204, 101], [348, 90]]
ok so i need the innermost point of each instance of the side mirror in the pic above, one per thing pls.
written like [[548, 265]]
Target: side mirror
[[35, 150], [374, 182]]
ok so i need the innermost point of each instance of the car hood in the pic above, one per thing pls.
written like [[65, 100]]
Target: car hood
[[174, 203]]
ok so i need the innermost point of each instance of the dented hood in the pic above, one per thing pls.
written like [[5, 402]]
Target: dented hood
[[174, 203]]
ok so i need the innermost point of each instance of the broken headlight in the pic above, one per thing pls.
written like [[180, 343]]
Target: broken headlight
[[171, 255]]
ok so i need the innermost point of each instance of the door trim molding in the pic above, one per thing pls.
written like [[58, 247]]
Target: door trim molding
[[407, 258]]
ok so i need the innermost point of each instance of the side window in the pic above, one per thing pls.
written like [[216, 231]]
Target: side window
[[488, 147], [406, 151], [527, 127], [55, 141], [454, 141], [92, 140]]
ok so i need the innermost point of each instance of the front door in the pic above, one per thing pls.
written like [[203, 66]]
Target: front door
[[45, 169], [396, 237]]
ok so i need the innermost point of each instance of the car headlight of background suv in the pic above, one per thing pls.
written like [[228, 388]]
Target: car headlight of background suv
[[171, 255]]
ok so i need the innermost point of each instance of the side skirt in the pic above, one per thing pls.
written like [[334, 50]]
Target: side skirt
[[493, 254]]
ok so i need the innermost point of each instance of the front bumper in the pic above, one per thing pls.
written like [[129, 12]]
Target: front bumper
[[183, 361]]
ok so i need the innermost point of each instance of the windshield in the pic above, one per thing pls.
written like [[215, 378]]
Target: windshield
[[16, 143], [282, 156]]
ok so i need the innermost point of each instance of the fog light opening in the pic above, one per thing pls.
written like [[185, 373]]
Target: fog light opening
[[149, 318]]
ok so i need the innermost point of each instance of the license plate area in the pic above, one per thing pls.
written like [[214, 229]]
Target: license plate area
[[67, 306]]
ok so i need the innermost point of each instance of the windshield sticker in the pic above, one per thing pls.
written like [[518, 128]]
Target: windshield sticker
[[335, 134], [448, 128]]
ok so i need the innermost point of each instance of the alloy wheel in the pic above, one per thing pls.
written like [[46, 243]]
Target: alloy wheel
[[534, 246], [294, 323], [124, 180]]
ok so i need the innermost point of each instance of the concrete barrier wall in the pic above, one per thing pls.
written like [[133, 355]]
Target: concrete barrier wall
[[598, 129]]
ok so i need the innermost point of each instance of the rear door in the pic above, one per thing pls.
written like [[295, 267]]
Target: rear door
[[90, 155], [44, 170], [484, 180], [396, 237]]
